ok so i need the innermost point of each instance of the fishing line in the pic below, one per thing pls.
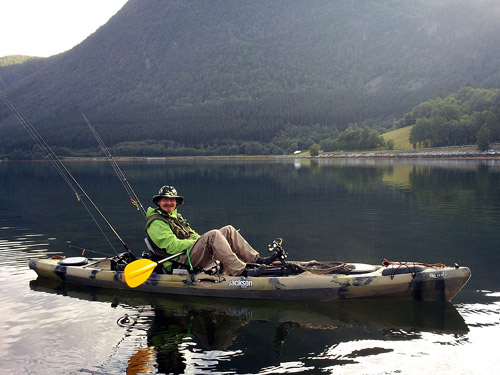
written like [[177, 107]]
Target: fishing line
[[61, 168], [98, 226], [38, 139], [121, 176]]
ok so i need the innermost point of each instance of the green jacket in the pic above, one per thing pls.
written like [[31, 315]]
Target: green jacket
[[162, 235]]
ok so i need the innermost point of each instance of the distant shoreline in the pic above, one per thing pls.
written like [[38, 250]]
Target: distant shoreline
[[466, 152], [263, 158]]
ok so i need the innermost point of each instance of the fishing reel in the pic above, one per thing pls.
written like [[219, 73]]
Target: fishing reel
[[120, 261], [284, 269], [277, 248]]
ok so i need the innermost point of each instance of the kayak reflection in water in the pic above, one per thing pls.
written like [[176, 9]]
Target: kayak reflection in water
[[169, 330], [171, 234]]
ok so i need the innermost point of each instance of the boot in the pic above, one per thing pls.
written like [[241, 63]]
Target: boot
[[268, 260], [253, 272]]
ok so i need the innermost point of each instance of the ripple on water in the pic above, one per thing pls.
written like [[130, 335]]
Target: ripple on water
[[47, 333], [17, 246]]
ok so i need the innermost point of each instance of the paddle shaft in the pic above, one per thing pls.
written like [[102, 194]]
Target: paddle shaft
[[149, 267], [170, 257]]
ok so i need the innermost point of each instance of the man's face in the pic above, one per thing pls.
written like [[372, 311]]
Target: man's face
[[167, 204]]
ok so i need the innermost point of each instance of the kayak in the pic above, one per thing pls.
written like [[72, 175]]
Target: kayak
[[317, 281]]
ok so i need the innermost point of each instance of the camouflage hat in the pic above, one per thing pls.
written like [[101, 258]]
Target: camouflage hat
[[168, 192]]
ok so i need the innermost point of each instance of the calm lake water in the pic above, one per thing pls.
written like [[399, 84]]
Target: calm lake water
[[351, 210]]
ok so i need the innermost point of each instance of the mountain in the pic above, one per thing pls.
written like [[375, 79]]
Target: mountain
[[196, 72]]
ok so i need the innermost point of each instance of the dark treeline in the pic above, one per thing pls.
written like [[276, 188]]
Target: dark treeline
[[291, 138]]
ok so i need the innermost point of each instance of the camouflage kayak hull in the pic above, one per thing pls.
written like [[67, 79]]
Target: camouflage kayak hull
[[425, 283]]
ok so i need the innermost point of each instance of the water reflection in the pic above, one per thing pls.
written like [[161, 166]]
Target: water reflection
[[361, 206], [186, 335], [350, 210]]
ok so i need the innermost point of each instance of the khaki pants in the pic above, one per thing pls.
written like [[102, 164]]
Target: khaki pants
[[225, 245]]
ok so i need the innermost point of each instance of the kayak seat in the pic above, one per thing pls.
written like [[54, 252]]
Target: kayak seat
[[147, 241], [154, 254]]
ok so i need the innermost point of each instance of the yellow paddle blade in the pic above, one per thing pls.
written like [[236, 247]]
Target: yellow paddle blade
[[138, 272]]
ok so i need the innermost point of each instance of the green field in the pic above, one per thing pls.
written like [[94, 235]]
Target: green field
[[400, 138]]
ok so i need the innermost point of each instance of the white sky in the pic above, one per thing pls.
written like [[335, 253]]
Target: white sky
[[48, 27]]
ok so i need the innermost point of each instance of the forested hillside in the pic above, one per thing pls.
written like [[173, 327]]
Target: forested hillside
[[469, 116], [260, 76], [14, 60]]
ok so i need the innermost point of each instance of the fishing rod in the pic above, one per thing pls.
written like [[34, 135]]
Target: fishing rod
[[61, 168], [134, 199], [84, 250]]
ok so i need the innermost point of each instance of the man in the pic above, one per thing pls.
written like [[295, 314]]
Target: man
[[171, 234]]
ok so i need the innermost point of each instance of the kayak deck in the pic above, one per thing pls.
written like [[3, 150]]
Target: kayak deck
[[427, 283]]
